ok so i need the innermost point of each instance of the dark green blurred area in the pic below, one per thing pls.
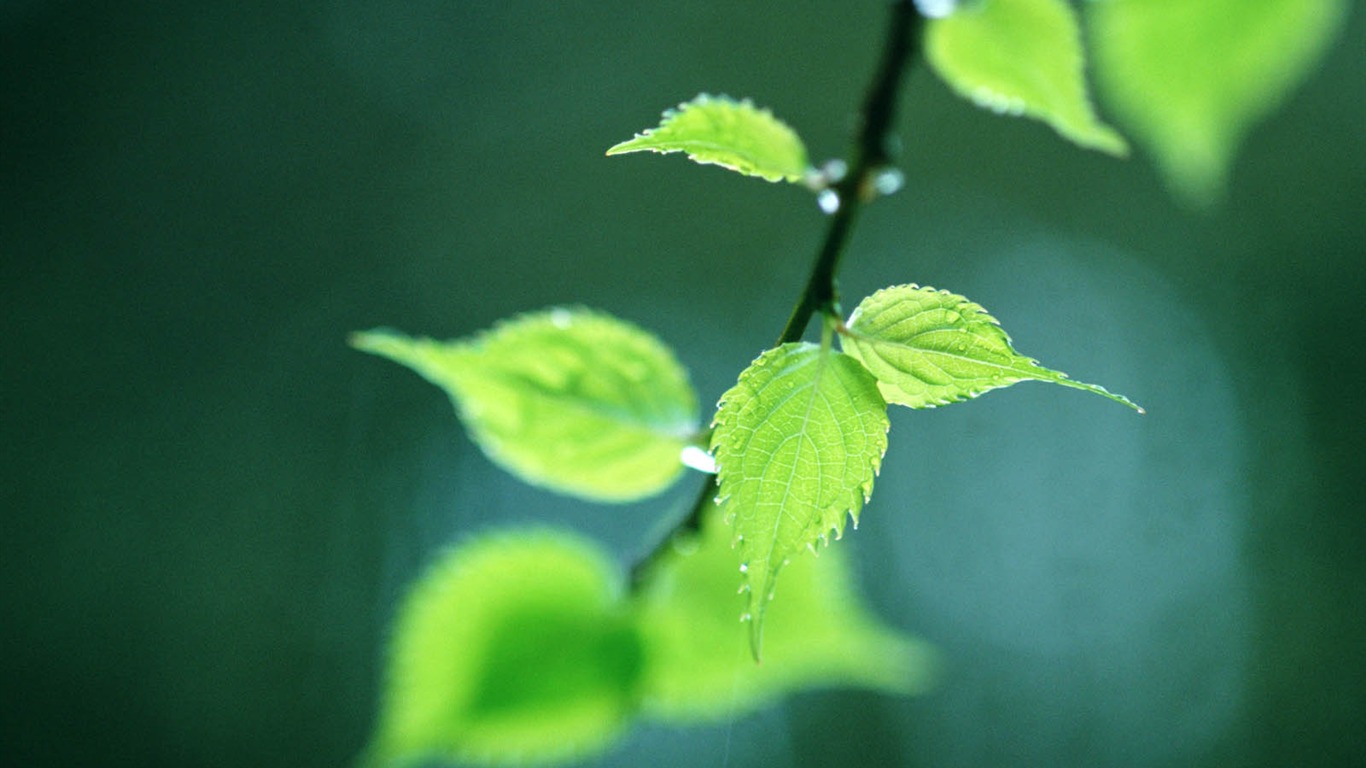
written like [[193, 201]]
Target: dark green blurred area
[[211, 504]]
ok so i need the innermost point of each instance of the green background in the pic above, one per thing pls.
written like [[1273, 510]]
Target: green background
[[210, 504]]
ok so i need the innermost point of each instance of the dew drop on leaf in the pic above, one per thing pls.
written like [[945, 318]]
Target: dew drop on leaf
[[930, 348]]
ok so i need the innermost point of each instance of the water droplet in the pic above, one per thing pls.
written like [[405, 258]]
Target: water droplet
[[936, 9], [561, 318], [744, 567], [746, 617], [888, 181], [698, 459], [834, 170], [828, 200], [828, 175]]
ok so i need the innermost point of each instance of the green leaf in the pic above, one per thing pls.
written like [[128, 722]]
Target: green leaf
[[717, 130], [819, 634], [930, 348], [1189, 79], [574, 400], [1021, 57], [514, 647], [798, 441]]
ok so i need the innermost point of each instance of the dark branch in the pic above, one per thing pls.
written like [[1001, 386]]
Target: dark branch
[[872, 153]]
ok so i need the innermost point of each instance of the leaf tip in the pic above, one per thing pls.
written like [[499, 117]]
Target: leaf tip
[[366, 341], [1121, 399], [1059, 377], [1105, 139], [756, 638], [384, 342], [622, 147], [726, 132]]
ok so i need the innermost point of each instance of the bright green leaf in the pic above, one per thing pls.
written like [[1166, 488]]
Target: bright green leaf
[[798, 441], [1021, 57], [574, 400], [717, 130], [929, 348], [818, 634], [1189, 78], [514, 647]]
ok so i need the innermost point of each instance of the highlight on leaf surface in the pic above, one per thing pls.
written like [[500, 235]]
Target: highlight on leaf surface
[[798, 441], [513, 647], [1189, 79], [1021, 57], [718, 130], [570, 399], [930, 348], [819, 634]]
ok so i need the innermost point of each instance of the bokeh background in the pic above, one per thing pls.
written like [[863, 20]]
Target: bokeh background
[[210, 504]]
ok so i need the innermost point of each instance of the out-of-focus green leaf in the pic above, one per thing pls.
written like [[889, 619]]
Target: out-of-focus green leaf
[[1189, 78], [571, 399], [1021, 57], [819, 634], [930, 348], [513, 648], [717, 130], [798, 441]]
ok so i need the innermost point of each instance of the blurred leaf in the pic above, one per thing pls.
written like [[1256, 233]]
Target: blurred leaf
[[798, 441], [929, 348], [1021, 57], [818, 634], [1189, 78], [513, 647], [717, 130], [570, 399]]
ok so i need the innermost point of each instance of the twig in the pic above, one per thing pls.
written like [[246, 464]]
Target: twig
[[872, 154]]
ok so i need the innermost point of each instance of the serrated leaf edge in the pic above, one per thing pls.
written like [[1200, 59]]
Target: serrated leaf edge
[[1029, 370], [847, 509], [702, 99]]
